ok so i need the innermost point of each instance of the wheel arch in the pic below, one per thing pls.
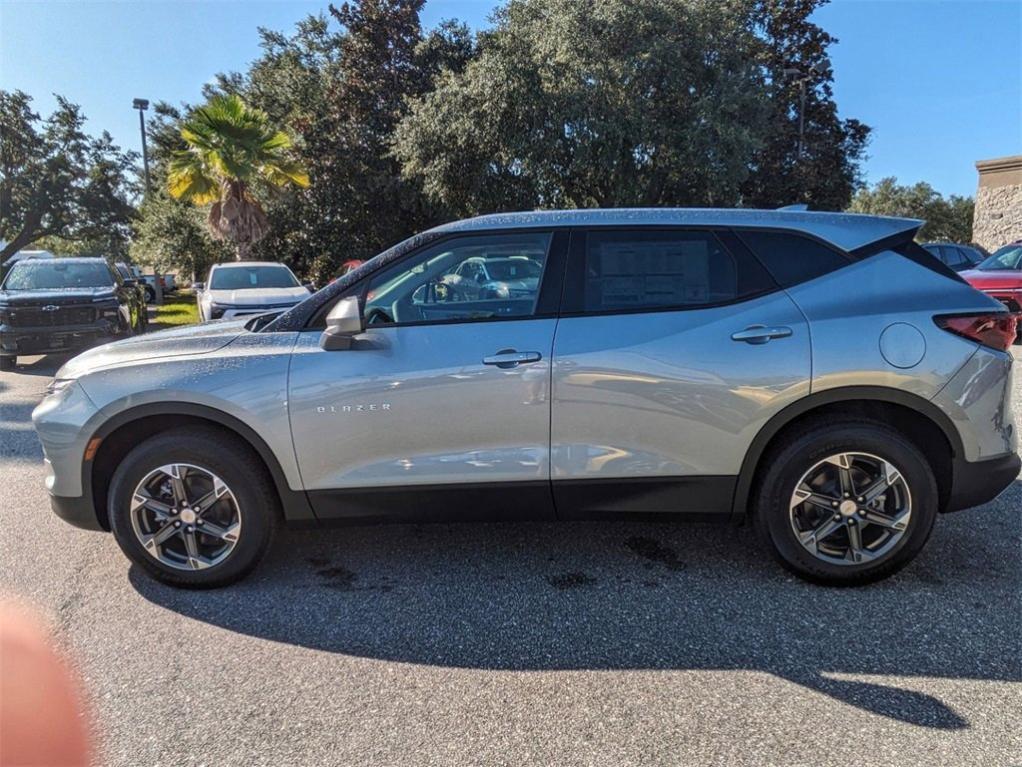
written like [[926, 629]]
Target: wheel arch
[[126, 429], [918, 416]]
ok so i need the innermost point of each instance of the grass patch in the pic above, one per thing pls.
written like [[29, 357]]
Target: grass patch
[[178, 309]]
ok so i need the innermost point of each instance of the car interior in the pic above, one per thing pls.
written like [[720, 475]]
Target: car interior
[[434, 285]]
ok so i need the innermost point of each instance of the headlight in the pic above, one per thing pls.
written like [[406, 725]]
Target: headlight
[[106, 308], [59, 385]]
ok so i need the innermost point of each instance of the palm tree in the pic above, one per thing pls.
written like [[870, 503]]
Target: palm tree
[[232, 148]]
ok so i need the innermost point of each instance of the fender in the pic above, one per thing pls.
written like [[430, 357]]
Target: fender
[[786, 416], [294, 503]]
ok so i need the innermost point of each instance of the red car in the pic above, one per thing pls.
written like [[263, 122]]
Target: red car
[[1000, 276]]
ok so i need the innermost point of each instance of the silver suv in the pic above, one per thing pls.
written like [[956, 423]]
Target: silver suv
[[819, 373]]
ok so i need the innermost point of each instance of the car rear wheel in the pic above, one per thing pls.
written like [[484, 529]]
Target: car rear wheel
[[193, 507], [845, 503]]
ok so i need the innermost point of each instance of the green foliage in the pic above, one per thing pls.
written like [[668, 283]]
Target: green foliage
[[827, 173], [634, 102], [171, 236], [58, 183], [232, 149], [579, 104], [341, 83], [947, 219], [562, 103], [176, 310]]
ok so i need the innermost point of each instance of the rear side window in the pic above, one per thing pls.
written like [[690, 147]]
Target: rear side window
[[636, 270], [791, 258]]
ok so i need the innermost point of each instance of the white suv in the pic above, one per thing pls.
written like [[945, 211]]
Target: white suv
[[247, 287]]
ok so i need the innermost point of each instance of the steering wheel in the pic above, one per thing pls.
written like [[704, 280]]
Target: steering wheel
[[378, 316], [441, 292]]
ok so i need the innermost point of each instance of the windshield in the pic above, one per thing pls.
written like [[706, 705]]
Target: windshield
[[54, 275], [246, 277], [1008, 257]]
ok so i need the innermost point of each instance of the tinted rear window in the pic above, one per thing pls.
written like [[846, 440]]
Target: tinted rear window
[[790, 258], [663, 269]]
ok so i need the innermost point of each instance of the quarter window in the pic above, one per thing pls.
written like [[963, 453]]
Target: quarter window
[[664, 269], [468, 278], [791, 258]]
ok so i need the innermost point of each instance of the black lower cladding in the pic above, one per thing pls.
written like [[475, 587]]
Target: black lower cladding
[[78, 511], [694, 497], [979, 482]]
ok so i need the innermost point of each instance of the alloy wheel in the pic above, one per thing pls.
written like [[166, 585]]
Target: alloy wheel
[[851, 508], [185, 516]]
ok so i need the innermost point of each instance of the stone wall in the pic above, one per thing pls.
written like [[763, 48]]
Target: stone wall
[[998, 217]]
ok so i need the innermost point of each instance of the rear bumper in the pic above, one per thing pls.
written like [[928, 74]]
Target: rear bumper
[[980, 482], [79, 511]]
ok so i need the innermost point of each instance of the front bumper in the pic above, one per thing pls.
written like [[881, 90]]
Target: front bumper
[[79, 512], [979, 482], [51, 340]]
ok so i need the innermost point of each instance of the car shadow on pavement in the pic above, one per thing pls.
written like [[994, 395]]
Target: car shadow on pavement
[[637, 595], [46, 366]]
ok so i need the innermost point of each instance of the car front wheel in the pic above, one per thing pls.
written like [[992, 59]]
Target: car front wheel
[[193, 507], [845, 503]]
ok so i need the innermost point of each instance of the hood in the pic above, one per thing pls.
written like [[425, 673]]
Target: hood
[[57, 296], [257, 296], [1010, 279], [193, 339]]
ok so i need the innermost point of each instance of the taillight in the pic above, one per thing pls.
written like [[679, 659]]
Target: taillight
[[998, 330]]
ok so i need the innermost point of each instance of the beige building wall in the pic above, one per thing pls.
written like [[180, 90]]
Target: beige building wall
[[998, 217]]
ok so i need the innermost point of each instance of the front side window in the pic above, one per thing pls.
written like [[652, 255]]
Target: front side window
[[647, 270], [56, 275], [249, 277], [467, 278]]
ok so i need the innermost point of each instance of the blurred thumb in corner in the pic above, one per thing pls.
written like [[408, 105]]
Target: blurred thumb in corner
[[42, 717]]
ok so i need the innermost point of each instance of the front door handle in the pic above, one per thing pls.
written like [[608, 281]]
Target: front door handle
[[760, 334], [509, 358]]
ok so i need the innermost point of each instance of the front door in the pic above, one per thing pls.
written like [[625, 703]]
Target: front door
[[442, 407]]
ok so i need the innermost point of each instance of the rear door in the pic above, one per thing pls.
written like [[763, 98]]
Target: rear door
[[442, 407], [674, 347]]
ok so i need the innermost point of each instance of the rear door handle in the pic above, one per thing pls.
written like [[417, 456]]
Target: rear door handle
[[509, 358], [760, 334]]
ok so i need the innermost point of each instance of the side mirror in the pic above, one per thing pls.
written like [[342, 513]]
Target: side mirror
[[130, 282], [343, 323], [309, 286], [198, 287]]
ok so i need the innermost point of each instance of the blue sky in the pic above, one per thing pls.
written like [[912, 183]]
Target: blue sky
[[939, 81]]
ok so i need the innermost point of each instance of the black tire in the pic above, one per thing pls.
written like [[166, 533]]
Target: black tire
[[8, 364], [150, 294], [796, 453], [225, 456]]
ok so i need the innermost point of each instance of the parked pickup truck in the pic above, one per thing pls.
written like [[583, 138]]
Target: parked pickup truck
[[63, 305]]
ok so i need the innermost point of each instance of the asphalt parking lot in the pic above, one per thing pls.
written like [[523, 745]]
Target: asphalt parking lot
[[609, 643]]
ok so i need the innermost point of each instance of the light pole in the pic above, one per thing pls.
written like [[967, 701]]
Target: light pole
[[142, 105], [803, 78]]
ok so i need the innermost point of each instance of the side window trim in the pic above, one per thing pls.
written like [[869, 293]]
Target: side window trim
[[573, 303], [550, 287]]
